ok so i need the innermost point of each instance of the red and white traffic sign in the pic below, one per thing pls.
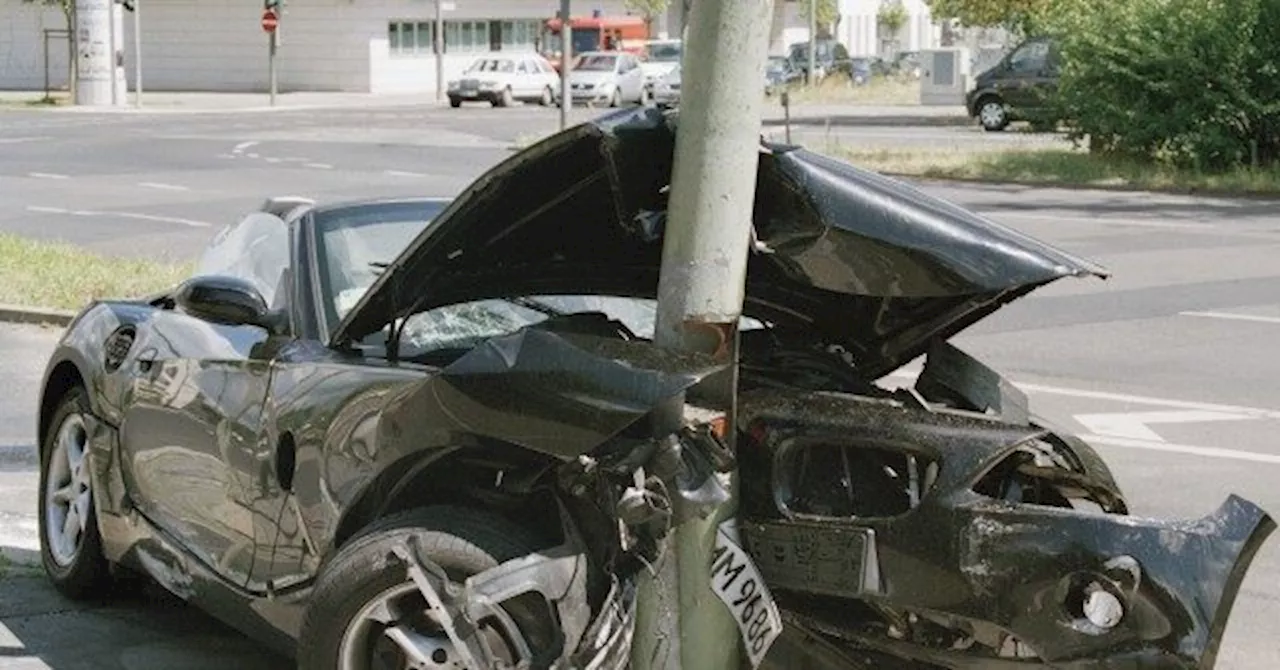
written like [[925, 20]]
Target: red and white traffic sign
[[270, 21]]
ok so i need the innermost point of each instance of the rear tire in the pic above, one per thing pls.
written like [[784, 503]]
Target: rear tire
[[455, 102], [548, 97], [70, 543], [364, 573]]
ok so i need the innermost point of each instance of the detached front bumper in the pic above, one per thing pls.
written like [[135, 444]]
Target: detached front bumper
[[1046, 587]]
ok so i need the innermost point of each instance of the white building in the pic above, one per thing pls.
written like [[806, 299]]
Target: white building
[[375, 46]]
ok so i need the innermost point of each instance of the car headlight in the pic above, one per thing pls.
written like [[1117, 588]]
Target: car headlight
[[489, 84]]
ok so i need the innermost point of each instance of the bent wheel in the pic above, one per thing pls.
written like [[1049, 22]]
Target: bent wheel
[[70, 546], [367, 613]]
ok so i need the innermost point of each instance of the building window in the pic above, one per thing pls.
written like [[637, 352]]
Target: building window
[[466, 36], [520, 35], [411, 38]]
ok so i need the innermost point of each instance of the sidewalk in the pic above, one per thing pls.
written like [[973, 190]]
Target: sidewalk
[[230, 103], [166, 102]]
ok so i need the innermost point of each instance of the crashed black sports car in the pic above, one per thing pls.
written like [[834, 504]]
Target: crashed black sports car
[[418, 433]]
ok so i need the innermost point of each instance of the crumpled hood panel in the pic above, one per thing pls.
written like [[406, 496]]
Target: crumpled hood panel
[[873, 264]]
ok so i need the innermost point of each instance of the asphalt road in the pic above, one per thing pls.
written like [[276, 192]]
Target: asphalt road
[[1168, 366]]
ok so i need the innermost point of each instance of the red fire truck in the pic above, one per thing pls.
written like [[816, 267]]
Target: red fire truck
[[595, 33]]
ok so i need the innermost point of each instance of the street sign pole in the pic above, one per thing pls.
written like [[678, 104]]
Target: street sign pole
[[566, 56], [113, 8], [700, 296], [813, 42], [271, 24], [439, 45]]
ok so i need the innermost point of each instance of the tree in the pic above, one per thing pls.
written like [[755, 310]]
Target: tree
[[648, 9], [68, 8], [891, 18], [1021, 16], [828, 13]]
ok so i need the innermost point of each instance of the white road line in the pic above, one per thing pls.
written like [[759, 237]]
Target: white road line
[[47, 175], [1102, 220], [274, 160], [239, 148], [402, 173], [19, 140], [1208, 452], [1235, 317], [121, 215], [1127, 398], [319, 166], [252, 155], [226, 155], [162, 186]]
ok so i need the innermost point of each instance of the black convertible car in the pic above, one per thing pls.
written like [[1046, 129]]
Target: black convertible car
[[416, 434]]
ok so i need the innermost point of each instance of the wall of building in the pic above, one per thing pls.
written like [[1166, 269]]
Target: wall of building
[[22, 64], [219, 45]]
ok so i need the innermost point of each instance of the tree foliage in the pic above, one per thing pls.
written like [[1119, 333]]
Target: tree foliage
[[648, 8], [892, 16], [1189, 82], [826, 11], [1021, 16]]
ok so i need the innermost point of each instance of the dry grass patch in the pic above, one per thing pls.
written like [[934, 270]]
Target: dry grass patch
[[1058, 167], [838, 90]]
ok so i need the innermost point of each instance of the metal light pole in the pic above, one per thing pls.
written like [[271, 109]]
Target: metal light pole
[[273, 42], [701, 290], [114, 10], [566, 55], [813, 42], [137, 53], [439, 44]]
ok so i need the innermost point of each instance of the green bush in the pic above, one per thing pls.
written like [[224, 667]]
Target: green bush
[[1189, 82]]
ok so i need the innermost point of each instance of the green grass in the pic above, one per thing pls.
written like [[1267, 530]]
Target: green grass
[[837, 90], [55, 99], [61, 276], [1058, 167]]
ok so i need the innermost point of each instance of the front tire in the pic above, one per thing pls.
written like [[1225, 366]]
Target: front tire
[[365, 601], [70, 544], [616, 99], [455, 102], [993, 114]]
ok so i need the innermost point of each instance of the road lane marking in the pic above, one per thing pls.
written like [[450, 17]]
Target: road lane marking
[[402, 173], [19, 140], [1207, 452], [163, 186], [1104, 220], [47, 175], [239, 148], [1235, 317], [1136, 425], [1151, 445], [122, 215], [319, 166]]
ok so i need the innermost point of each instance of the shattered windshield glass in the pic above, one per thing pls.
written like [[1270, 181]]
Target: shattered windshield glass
[[465, 325]]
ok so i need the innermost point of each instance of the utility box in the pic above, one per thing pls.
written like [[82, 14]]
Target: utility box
[[945, 76]]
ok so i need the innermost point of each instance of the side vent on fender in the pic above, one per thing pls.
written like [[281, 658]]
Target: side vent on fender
[[117, 347]]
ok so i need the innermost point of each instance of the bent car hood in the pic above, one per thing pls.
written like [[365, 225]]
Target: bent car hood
[[871, 263]]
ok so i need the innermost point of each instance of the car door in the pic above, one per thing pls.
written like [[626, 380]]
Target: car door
[[1026, 69], [524, 82], [192, 425]]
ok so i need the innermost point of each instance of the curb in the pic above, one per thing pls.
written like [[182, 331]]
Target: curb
[[18, 455], [36, 315], [21, 556], [178, 110], [1111, 188], [855, 121]]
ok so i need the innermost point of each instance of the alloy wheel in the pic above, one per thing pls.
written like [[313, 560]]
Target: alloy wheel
[[68, 491]]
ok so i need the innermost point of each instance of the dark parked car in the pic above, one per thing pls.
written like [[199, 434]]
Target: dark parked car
[[1018, 88], [417, 432], [830, 56]]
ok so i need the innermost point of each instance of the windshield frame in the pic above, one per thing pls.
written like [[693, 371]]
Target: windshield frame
[[321, 221], [599, 55]]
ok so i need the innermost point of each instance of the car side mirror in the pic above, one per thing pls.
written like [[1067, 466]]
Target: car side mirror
[[226, 300]]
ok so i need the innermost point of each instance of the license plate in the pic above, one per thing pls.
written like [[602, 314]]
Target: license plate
[[738, 584]]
